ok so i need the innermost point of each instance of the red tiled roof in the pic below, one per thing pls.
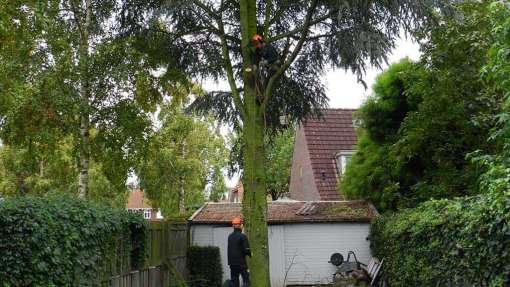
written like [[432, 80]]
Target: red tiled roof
[[291, 212], [137, 199], [325, 137]]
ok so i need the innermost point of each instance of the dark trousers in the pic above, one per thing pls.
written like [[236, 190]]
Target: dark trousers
[[235, 271]]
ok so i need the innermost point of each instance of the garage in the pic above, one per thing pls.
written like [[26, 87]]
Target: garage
[[302, 236]]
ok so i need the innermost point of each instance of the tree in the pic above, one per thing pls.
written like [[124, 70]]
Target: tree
[[201, 38], [184, 156], [425, 118], [496, 74], [278, 163], [279, 153], [54, 172], [66, 72]]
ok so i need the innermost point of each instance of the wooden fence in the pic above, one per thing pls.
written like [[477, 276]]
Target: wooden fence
[[167, 244]]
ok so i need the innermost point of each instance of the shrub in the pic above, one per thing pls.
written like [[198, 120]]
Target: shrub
[[60, 240], [460, 242], [204, 265]]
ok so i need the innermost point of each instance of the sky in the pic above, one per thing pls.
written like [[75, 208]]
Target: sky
[[343, 89]]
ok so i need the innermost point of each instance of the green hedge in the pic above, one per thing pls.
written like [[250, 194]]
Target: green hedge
[[461, 242], [204, 266], [61, 240]]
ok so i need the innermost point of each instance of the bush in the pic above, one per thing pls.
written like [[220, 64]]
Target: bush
[[204, 265], [460, 242], [60, 240]]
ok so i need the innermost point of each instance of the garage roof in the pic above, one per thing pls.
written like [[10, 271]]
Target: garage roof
[[291, 212]]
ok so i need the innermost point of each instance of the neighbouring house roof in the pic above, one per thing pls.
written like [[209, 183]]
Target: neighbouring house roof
[[236, 193], [291, 212], [137, 199], [325, 138]]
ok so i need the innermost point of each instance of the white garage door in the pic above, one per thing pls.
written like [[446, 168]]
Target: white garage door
[[308, 248]]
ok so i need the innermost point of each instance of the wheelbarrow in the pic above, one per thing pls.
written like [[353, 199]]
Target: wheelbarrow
[[344, 267]]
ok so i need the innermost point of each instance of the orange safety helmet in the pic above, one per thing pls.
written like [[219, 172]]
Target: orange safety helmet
[[257, 39], [236, 221]]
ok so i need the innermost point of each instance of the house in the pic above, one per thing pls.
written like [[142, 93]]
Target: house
[[236, 193], [302, 236], [137, 202], [321, 150]]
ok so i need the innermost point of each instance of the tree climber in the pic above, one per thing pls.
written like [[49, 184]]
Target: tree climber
[[265, 61], [265, 55]]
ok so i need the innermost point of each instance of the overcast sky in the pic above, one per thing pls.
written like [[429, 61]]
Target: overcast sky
[[343, 90]]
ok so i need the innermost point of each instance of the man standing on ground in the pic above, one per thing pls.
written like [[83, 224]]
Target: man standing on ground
[[238, 249]]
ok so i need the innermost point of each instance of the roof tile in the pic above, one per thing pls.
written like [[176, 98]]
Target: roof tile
[[326, 137], [291, 212]]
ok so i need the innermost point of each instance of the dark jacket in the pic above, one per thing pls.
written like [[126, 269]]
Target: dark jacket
[[238, 248]]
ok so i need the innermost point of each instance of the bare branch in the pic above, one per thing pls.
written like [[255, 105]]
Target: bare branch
[[75, 17], [303, 28], [206, 9], [267, 15], [228, 68], [277, 16], [290, 60]]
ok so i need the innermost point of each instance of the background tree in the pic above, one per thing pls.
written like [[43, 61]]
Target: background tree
[[425, 118], [279, 152], [183, 157], [67, 76], [496, 74], [203, 38]]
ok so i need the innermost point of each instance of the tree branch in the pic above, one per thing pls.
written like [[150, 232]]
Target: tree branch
[[267, 16], [304, 27], [290, 60], [206, 9], [75, 17], [228, 68], [277, 15]]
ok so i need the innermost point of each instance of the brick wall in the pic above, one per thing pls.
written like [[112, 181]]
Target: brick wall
[[302, 183]]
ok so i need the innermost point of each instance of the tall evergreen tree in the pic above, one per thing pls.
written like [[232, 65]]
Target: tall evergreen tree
[[212, 39]]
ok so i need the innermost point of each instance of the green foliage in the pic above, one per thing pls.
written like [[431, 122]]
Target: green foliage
[[184, 156], [279, 162], [42, 103], [424, 118], [204, 266], [53, 171], [59, 240], [371, 171], [459, 242], [496, 165]]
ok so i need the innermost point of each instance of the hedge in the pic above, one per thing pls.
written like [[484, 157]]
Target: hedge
[[61, 240], [460, 242], [204, 266]]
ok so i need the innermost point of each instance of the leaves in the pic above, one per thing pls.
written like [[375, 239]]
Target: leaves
[[461, 242], [59, 240], [185, 155], [426, 117], [42, 102]]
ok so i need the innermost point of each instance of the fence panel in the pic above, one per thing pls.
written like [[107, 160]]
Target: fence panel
[[167, 244]]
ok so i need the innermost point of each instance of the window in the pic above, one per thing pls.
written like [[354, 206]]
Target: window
[[342, 158], [147, 213]]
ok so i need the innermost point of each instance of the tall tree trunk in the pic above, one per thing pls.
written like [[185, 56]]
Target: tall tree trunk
[[83, 180], [254, 180], [182, 206]]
